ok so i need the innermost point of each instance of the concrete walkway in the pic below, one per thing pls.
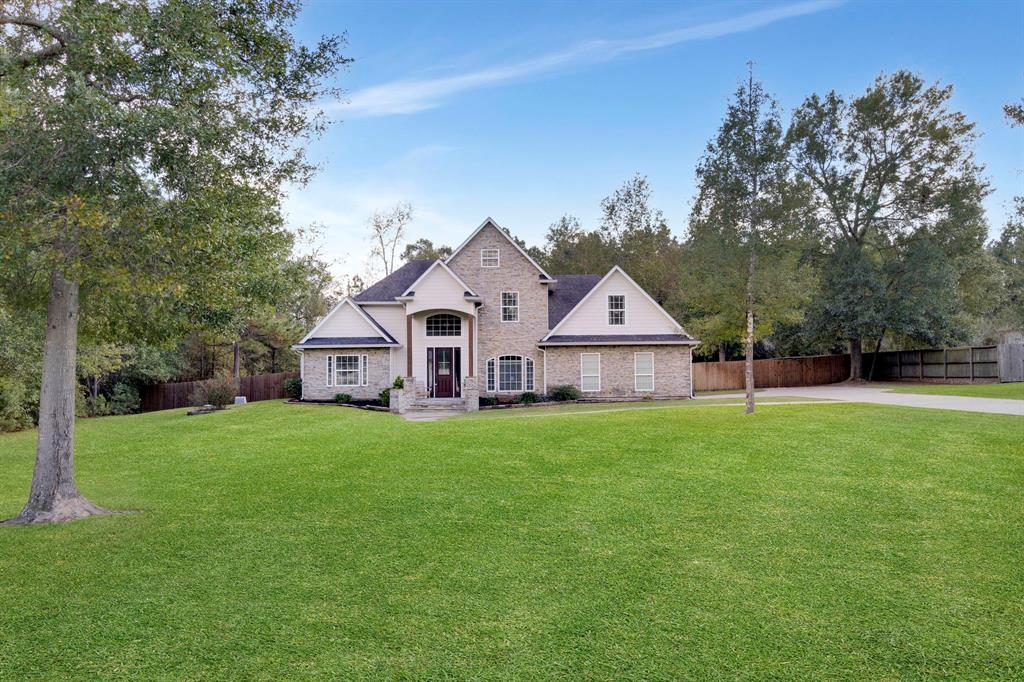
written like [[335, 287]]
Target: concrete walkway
[[852, 393]]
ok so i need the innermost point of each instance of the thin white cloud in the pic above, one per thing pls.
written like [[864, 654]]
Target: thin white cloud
[[411, 96]]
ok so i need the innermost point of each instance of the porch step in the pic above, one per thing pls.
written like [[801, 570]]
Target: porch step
[[438, 405]]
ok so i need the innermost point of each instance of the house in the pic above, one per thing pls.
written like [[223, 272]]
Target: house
[[489, 321]]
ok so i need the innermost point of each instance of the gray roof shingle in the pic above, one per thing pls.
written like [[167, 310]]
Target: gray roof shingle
[[624, 339], [348, 341], [566, 293], [396, 283]]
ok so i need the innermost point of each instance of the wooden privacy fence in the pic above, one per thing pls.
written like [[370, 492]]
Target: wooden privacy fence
[[772, 373], [944, 364], [179, 394]]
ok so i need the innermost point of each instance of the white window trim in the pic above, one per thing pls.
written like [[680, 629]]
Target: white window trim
[[591, 390], [502, 306], [428, 335], [497, 258], [608, 311], [496, 386], [637, 375], [361, 370]]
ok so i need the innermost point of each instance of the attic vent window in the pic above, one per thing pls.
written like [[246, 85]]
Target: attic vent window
[[616, 310], [489, 258]]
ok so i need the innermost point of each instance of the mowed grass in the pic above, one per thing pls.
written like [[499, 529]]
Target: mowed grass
[[1014, 390], [833, 541]]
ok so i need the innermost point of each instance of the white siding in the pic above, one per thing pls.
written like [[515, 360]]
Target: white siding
[[439, 290], [346, 321], [642, 315], [392, 318]]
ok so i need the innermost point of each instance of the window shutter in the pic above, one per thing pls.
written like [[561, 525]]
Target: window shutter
[[490, 374], [330, 370], [529, 375]]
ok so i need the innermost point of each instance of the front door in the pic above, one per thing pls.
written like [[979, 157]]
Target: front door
[[443, 368]]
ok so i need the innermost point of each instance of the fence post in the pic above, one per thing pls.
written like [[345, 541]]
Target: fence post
[[945, 363], [920, 364]]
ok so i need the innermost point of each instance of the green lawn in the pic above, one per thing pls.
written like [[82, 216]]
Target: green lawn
[[835, 541], [1014, 391]]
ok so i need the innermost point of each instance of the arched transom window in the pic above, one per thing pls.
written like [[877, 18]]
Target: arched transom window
[[444, 324]]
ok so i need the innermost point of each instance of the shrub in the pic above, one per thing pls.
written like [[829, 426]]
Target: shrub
[[293, 388], [648, 398], [399, 382], [15, 405], [565, 392], [488, 401], [342, 398], [527, 398], [219, 391], [124, 399], [385, 397]]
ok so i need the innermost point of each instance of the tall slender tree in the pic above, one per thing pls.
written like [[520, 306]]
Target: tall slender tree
[[747, 228], [144, 149]]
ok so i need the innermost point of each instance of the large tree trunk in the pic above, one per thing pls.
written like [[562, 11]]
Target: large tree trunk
[[54, 496], [856, 360], [721, 351], [749, 365]]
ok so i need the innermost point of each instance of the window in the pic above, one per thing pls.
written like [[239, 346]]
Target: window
[[489, 258], [510, 373], [510, 306], [348, 370], [444, 325], [590, 371], [514, 374], [643, 371], [617, 310]]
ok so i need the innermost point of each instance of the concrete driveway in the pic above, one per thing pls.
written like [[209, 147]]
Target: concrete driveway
[[852, 393]]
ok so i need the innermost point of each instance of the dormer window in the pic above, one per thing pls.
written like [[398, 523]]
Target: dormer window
[[489, 258], [617, 310]]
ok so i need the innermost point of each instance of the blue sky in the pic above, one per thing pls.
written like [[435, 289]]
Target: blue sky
[[526, 111]]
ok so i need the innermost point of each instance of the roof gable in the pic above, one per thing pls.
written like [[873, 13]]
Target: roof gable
[[589, 315], [429, 277], [490, 222], [346, 320]]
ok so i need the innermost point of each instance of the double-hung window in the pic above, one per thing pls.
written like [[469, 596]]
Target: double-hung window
[[643, 371], [347, 370], [590, 372], [617, 310], [510, 306], [489, 258]]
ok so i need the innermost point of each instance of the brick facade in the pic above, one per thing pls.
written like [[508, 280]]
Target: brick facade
[[314, 383], [515, 273], [671, 370]]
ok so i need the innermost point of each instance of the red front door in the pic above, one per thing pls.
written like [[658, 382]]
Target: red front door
[[443, 366]]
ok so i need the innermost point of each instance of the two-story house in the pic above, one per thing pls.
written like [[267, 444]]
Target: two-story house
[[489, 321]]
